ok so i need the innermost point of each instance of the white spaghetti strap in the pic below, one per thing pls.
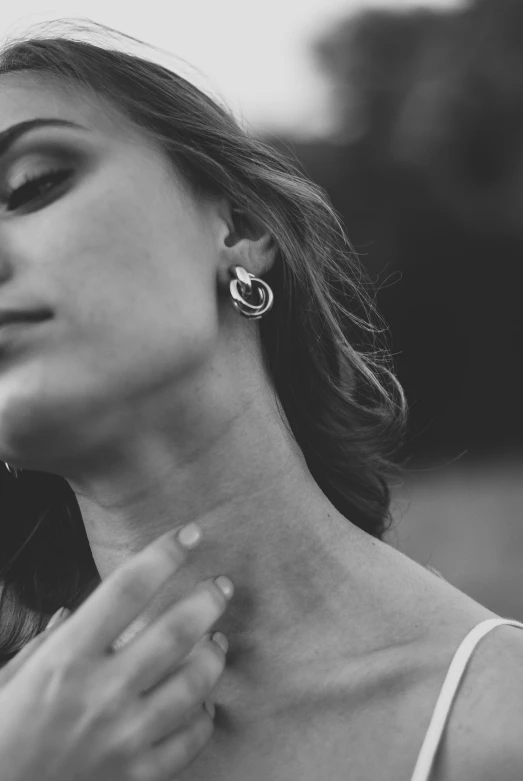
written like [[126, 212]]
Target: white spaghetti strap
[[448, 691]]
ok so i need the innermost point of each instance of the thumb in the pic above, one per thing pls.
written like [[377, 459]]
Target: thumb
[[58, 618], [14, 664]]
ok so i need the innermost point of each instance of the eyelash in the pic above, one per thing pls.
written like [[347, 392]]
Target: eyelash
[[53, 176]]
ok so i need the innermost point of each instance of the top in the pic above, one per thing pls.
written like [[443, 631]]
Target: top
[[447, 694]]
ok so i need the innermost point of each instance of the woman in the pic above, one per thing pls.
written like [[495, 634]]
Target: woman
[[207, 352]]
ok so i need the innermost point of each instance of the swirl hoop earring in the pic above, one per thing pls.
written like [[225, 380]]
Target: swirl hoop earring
[[245, 285], [12, 470]]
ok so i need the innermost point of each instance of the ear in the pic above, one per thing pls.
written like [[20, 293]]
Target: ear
[[245, 241]]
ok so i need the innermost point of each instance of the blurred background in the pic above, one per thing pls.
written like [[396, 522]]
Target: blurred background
[[410, 115]]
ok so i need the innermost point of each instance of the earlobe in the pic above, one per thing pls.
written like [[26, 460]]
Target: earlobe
[[251, 297]]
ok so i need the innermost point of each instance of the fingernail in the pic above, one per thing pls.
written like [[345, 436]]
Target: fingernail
[[210, 708], [220, 639], [189, 536], [225, 586], [57, 617]]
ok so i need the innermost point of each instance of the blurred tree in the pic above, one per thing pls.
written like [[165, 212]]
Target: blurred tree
[[427, 172], [372, 61]]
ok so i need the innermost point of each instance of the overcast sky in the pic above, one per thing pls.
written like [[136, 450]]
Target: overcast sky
[[254, 54]]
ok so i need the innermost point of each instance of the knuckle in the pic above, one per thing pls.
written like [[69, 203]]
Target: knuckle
[[145, 572], [132, 582], [202, 674], [179, 633], [160, 715], [63, 668], [184, 625], [167, 638], [205, 605], [127, 744], [199, 734], [157, 720], [212, 663], [193, 685], [194, 738], [113, 695], [104, 701], [184, 747], [119, 753]]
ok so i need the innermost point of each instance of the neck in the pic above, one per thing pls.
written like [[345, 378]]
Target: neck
[[265, 524]]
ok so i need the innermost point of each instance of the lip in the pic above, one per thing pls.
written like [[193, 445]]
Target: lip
[[8, 316]]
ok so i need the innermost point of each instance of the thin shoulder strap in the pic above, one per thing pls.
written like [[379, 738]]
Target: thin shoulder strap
[[448, 692]]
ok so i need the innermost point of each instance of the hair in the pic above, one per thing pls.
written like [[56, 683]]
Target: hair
[[324, 343]]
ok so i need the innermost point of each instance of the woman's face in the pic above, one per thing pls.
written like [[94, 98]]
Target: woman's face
[[117, 251]]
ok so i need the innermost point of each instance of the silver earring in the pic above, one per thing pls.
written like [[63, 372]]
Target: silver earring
[[245, 285], [12, 470]]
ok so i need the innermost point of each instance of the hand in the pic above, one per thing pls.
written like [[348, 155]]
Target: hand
[[73, 708], [8, 669]]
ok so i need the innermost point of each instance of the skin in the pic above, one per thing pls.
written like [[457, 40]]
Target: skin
[[146, 390]]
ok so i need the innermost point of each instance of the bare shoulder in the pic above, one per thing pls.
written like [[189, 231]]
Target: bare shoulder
[[483, 739]]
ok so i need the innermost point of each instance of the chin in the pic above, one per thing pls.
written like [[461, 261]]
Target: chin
[[41, 428]]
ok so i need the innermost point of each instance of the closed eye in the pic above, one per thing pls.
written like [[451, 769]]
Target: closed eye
[[34, 187]]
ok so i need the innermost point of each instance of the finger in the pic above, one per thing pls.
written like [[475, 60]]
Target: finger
[[14, 664], [58, 618], [117, 601], [164, 760], [149, 656], [166, 706]]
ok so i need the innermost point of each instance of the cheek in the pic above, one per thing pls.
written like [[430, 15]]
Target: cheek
[[135, 311], [130, 252], [121, 348], [139, 287]]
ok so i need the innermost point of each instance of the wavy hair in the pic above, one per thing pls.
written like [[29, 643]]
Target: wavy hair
[[324, 343]]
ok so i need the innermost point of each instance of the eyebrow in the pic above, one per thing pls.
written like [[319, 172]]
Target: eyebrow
[[13, 133]]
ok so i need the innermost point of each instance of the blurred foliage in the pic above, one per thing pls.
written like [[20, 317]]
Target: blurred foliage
[[426, 170]]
